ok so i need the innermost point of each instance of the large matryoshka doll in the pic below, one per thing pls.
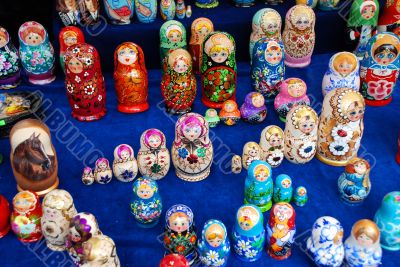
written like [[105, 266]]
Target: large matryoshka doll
[[201, 27], [68, 11], [389, 17], [340, 127], [36, 52], [89, 11], [380, 69], [192, 150], [130, 78], [10, 73], [172, 36], [67, 37], [84, 82], [146, 10], [119, 12], [218, 69], [299, 36], [271, 143]]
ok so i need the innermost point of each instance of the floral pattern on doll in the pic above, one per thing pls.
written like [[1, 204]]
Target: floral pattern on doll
[[271, 143], [25, 222], [124, 165], [147, 206], [9, 60]]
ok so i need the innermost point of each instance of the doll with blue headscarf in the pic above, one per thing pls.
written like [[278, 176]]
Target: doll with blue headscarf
[[283, 189]]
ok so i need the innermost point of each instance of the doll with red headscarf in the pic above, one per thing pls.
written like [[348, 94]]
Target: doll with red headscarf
[[68, 36]]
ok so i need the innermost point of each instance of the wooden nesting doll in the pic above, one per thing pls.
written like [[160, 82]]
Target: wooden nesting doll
[[68, 36], [211, 117], [328, 5], [300, 197], [175, 259], [120, 12], [180, 10], [218, 69], [5, 214], [100, 250], [89, 11], [271, 143], [188, 11], [167, 9], [389, 17], [130, 78], [310, 3], [283, 190], [102, 172], [236, 164], [341, 126], [229, 112], [33, 157], [10, 69], [68, 11], [37, 53], [172, 36], [87, 176], [299, 36], [153, 156], [253, 109], [192, 150], [301, 135], [146, 10], [84, 82], [200, 28], [251, 152], [125, 167], [207, 3]]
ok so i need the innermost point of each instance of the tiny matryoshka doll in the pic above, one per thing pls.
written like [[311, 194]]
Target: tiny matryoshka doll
[[174, 260], [207, 3], [180, 10], [26, 215], [10, 74], [271, 143], [89, 11], [5, 214], [300, 197], [299, 36], [37, 53], [192, 150], [84, 82], [258, 186], [253, 109], [362, 247], [67, 37], [211, 117], [130, 78], [310, 3], [200, 28], [380, 69], [389, 17], [214, 241], [119, 12], [172, 36], [236, 164], [146, 204], [218, 69], [301, 135], [125, 167], [188, 11], [229, 112], [146, 10], [100, 250], [167, 9], [68, 11], [102, 172], [281, 229], [248, 234], [283, 190], [251, 152], [328, 5], [87, 176], [340, 127], [58, 210]]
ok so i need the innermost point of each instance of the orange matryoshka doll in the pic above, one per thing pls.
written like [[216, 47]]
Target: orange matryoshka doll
[[201, 27]]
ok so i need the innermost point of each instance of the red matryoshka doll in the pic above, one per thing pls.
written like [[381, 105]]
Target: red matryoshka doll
[[201, 27], [174, 260], [84, 82], [68, 36], [389, 17], [5, 214], [130, 77], [229, 113]]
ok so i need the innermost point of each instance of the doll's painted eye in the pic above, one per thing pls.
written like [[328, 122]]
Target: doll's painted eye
[[122, 52], [390, 56], [223, 54], [214, 54]]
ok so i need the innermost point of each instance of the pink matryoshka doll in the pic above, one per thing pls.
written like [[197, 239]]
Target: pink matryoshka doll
[[201, 27], [68, 36]]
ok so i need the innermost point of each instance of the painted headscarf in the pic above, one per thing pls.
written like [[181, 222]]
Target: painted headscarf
[[179, 208], [218, 41], [356, 19], [169, 27], [192, 120], [252, 216], [139, 62], [144, 139]]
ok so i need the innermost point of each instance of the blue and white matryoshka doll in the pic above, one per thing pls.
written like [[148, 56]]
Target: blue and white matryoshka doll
[[146, 10], [300, 197], [248, 234], [119, 12], [10, 70], [214, 247], [259, 185], [146, 204], [283, 189]]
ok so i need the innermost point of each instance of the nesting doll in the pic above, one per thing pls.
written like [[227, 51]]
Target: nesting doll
[[84, 82], [310, 3], [100, 250], [301, 135], [218, 69], [172, 36], [58, 210], [299, 36], [380, 69], [281, 229], [174, 260], [26, 215], [271, 143], [180, 9], [341, 126], [180, 232], [146, 204], [253, 109], [188, 11], [362, 247], [229, 112], [211, 117], [343, 71], [5, 214], [251, 152], [67, 37], [167, 9], [326, 242], [207, 3], [389, 17], [248, 234], [33, 157], [153, 156], [236, 164], [102, 172], [178, 84], [300, 197], [146, 10], [10, 70], [125, 167], [328, 5], [119, 12], [87, 176], [283, 190], [89, 11], [244, 3], [200, 28], [37, 53], [68, 11], [258, 186]]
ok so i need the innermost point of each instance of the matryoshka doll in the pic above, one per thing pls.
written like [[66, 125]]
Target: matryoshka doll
[[130, 78], [207, 3], [5, 214], [251, 152], [281, 229], [300, 197], [102, 172], [258, 186], [192, 150], [244, 3], [84, 82], [26, 215], [253, 109], [229, 112], [125, 167], [211, 117], [214, 241], [172, 36], [343, 71], [218, 69], [146, 204], [283, 190], [89, 11], [174, 260], [271, 143], [380, 69], [167, 9], [58, 211], [188, 11], [328, 5], [200, 28], [310, 3], [146, 10], [119, 12], [236, 164], [180, 10], [340, 127], [299, 36], [87, 176], [67, 37], [389, 17], [100, 250], [10, 74], [248, 234], [362, 247], [36, 52], [68, 11], [153, 156]]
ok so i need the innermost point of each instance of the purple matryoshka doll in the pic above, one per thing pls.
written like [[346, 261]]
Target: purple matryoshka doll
[[9, 62], [119, 12], [253, 109]]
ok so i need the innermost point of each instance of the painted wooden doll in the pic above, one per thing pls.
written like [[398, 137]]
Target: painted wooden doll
[[102, 172], [188, 11], [5, 214], [125, 167], [236, 164], [172, 36], [84, 82], [300, 197], [281, 229], [167, 9], [89, 11], [248, 234], [380, 69], [119, 12], [328, 5], [258, 186], [214, 246], [10, 69], [343, 71], [87, 176], [283, 190], [244, 3], [218, 69], [153, 156], [207, 3], [100, 250], [130, 78], [271, 143], [37, 53], [68, 11], [362, 247], [253, 109], [211, 117], [178, 84], [310, 3], [251, 152], [341, 126], [200, 28], [146, 10], [180, 9], [58, 211], [146, 204], [229, 112], [174, 260], [67, 37], [192, 150], [299, 36], [26, 215], [389, 17]]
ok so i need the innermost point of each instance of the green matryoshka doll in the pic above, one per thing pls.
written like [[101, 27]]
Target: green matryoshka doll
[[172, 36]]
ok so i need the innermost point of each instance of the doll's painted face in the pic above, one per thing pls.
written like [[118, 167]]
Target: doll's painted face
[[364, 240], [180, 65], [203, 31], [125, 154], [154, 141], [301, 192], [70, 40], [175, 36], [355, 111], [302, 22], [103, 165], [386, 56], [229, 107], [24, 202], [273, 55], [70, 4], [52, 213], [192, 131], [258, 100], [261, 173], [75, 65], [296, 89], [179, 223], [344, 67], [90, 5], [306, 124], [33, 39], [360, 167], [368, 12], [211, 113], [3, 39], [145, 192], [275, 140], [165, 3], [338, 237], [283, 212], [215, 235], [253, 152], [286, 183], [271, 25], [219, 54], [245, 223], [127, 56]]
